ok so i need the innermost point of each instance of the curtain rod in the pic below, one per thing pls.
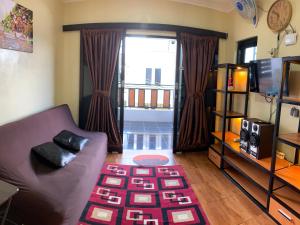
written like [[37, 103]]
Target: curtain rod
[[145, 26]]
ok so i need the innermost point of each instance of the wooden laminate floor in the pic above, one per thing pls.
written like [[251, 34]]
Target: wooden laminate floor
[[222, 201]]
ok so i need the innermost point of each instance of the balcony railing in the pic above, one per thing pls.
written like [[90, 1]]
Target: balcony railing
[[149, 96]]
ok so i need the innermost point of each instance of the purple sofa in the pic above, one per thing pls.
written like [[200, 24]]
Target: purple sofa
[[48, 196]]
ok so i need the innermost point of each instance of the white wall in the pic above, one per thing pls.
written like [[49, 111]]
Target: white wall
[[27, 79]]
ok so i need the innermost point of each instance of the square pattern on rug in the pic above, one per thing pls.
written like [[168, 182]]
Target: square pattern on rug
[[134, 195]]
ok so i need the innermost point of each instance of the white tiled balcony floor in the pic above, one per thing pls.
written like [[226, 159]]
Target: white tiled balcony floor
[[140, 135]]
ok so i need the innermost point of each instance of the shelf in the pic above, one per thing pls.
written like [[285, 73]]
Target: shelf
[[229, 114], [231, 66], [254, 173], [292, 59], [217, 147], [264, 164], [229, 136], [249, 187], [289, 197], [292, 139], [290, 100], [290, 175], [231, 91]]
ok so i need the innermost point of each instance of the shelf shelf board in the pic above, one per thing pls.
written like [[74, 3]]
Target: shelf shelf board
[[229, 136], [290, 175], [231, 91], [231, 66], [217, 147], [292, 59], [290, 100], [255, 174], [289, 197], [249, 187], [292, 139], [229, 114], [264, 164]]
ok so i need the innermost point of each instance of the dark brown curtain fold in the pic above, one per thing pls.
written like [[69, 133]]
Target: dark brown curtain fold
[[198, 55], [101, 48]]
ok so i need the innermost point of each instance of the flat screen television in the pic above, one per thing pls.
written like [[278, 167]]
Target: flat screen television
[[266, 76]]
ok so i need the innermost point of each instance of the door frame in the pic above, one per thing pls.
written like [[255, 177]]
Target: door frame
[[176, 97], [176, 91]]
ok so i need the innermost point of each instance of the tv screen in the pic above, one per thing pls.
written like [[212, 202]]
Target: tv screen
[[266, 76]]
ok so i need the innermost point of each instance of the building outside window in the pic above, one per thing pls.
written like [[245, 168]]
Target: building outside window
[[148, 76], [157, 76]]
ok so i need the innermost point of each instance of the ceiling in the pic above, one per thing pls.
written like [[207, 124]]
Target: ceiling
[[220, 5]]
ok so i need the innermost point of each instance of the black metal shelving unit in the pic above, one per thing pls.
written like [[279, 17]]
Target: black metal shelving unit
[[227, 112], [228, 150], [289, 176], [232, 159], [255, 178]]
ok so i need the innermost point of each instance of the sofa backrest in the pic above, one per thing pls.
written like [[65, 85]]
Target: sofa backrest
[[17, 139]]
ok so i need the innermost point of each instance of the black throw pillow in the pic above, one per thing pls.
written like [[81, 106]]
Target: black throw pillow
[[71, 141], [54, 154]]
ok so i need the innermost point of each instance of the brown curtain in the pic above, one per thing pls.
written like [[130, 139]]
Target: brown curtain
[[198, 55], [101, 48]]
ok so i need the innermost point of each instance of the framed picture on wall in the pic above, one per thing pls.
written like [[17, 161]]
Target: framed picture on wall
[[16, 26]]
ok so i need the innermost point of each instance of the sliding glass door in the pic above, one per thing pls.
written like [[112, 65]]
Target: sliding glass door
[[146, 94]]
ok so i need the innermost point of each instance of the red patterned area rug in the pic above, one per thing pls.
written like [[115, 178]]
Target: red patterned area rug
[[134, 195]]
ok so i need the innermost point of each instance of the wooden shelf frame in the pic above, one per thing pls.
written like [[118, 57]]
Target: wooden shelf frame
[[292, 139], [242, 163], [234, 147], [288, 198], [290, 175], [258, 179], [229, 114], [255, 174], [290, 100], [217, 147], [231, 66], [239, 92], [257, 195]]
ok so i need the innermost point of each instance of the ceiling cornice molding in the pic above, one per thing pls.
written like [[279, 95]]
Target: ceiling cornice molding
[[219, 5]]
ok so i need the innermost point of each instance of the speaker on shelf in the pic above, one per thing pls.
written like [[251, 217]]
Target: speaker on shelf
[[246, 127], [261, 139]]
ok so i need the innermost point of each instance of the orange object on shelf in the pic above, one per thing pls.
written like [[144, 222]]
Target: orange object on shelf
[[230, 82]]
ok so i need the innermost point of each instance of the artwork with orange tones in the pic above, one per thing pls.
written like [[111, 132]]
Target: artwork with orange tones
[[16, 27]]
